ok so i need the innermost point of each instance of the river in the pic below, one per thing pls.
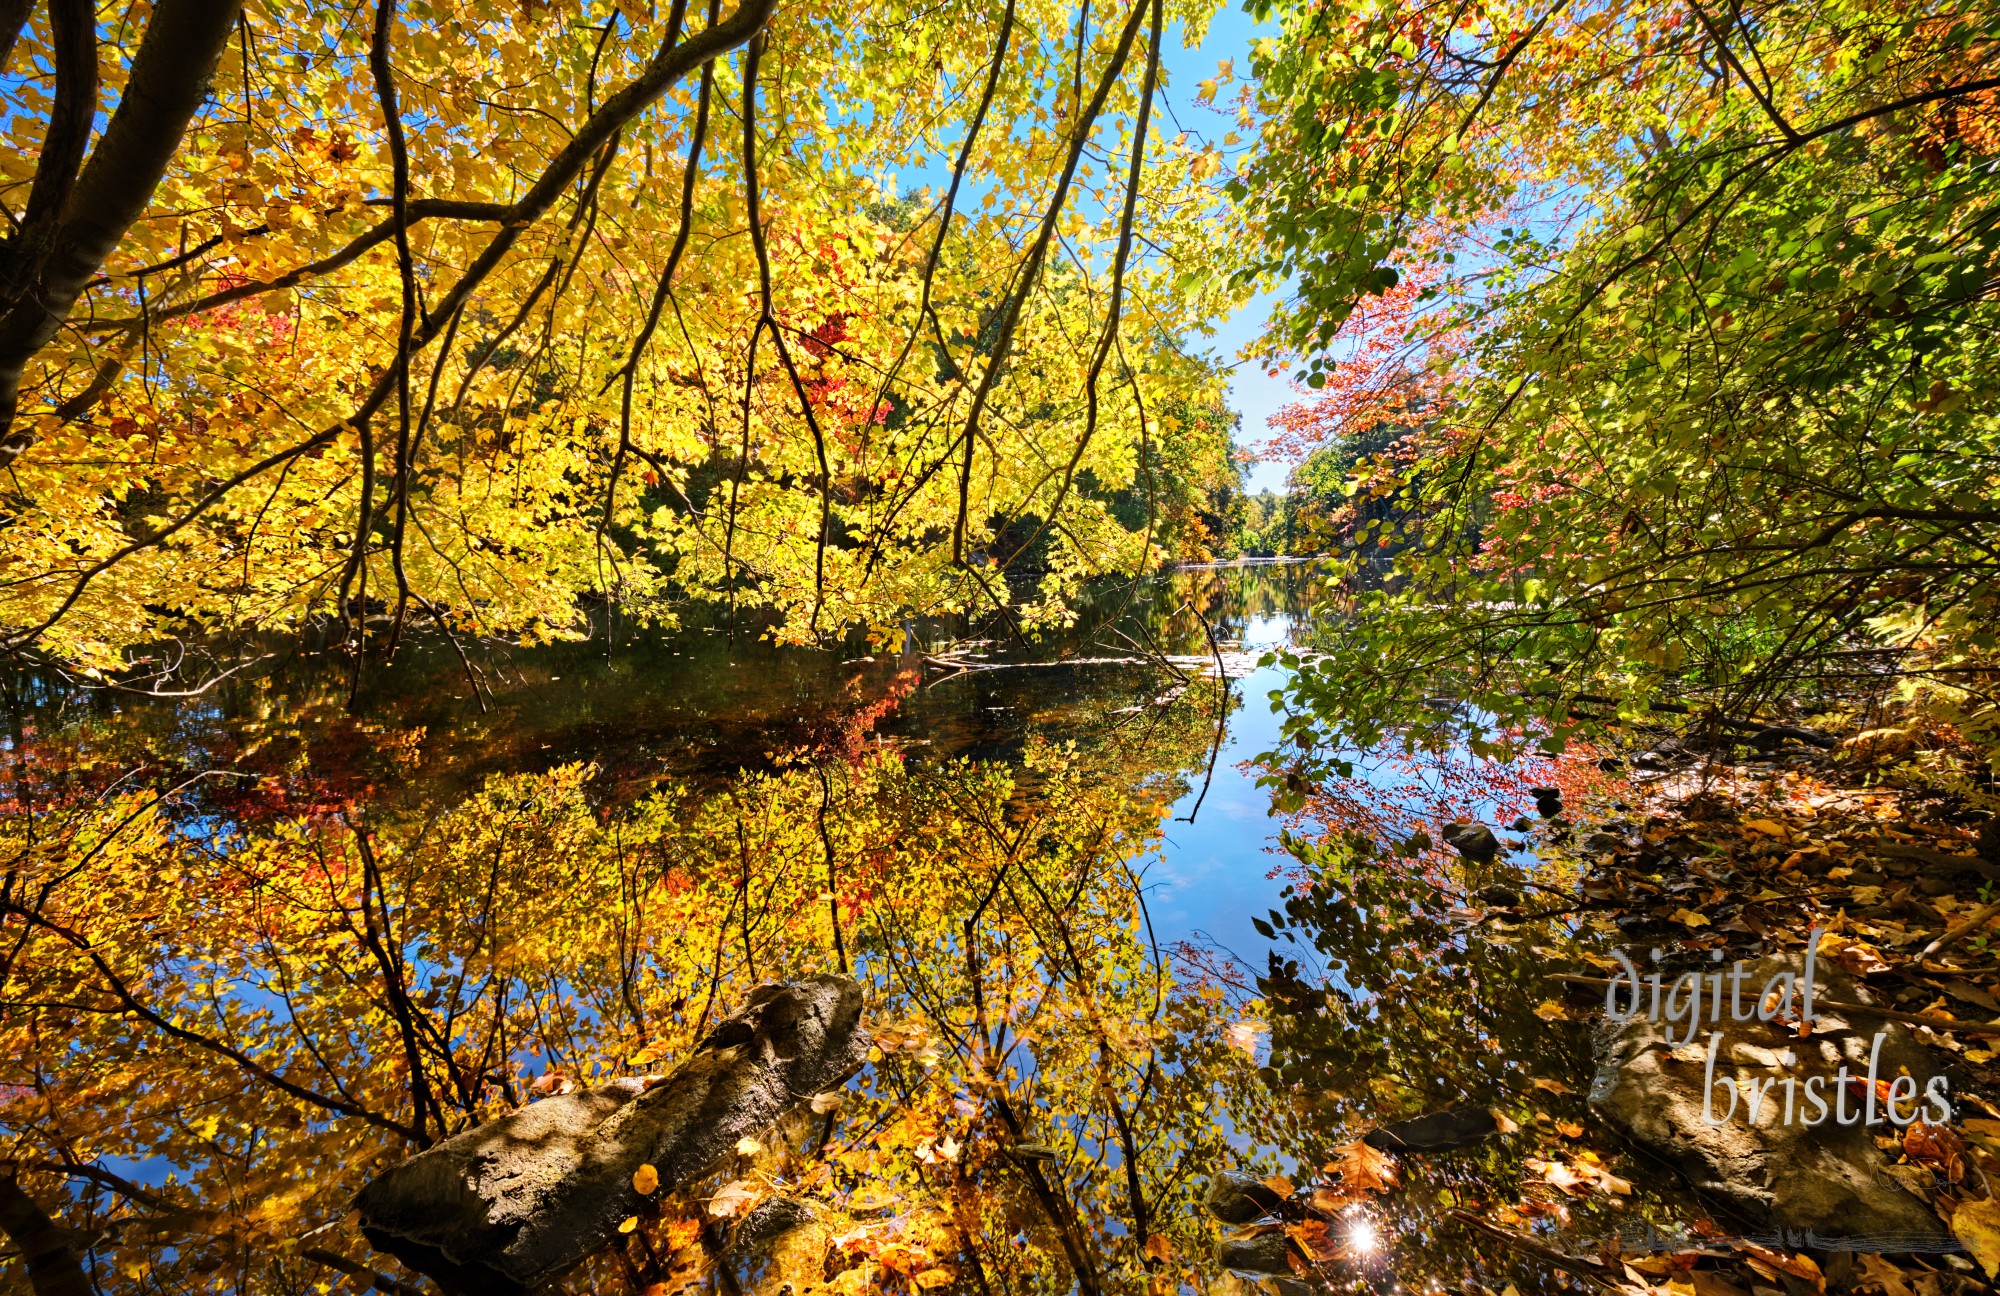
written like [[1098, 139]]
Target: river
[[278, 941]]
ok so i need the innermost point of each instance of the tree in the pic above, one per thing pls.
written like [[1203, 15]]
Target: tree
[[1708, 426], [484, 315]]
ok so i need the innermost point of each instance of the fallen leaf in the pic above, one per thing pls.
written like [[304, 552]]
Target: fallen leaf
[[1550, 1010], [1329, 1200], [1502, 1122], [1876, 1270], [747, 1146], [1569, 1129], [829, 1101], [628, 1224], [1977, 1224], [1242, 1036], [1363, 1168], [645, 1181], [1315, 1239], [1936, 1146], [732, 1199], [1689, 918], [1552, 1086]]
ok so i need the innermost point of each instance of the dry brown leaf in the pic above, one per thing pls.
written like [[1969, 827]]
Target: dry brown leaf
[[1315, 1239], [1936, 1146], [1878, 1272], [732, 1199], [1363, 1168], [1552, 1086]]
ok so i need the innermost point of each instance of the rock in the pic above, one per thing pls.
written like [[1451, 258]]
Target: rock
[[1548, 801], [1238, 1198], [516, 1203], [1475, 842], [1506, 897], [1263, 1254], [1439, 1131], [1598, 843], [1650, 760], [1829, 1178], [1521, 825], [1611, 764]]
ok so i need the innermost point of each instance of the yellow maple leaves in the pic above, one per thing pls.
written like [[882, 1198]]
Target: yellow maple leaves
[[540, 481]]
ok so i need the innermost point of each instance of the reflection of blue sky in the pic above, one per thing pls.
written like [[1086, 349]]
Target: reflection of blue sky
[[1212, 875]]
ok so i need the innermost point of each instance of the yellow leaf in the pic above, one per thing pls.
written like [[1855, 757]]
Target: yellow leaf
[[1160, 1247], [1689, 918], [1550, 1010], [933, 1278], [628, 1224], [645, 1181], [747, 1146], [1977, 1224]]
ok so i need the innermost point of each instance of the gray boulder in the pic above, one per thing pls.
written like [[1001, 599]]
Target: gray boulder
[[1238, 1198], [1263, 1254], [516, 1203], [1474, 841], [1827, 1177]]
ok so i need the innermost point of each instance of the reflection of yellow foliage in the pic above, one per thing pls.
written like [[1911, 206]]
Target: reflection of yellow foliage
[[529, 930]]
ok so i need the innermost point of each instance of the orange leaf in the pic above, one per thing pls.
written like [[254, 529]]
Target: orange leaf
[[1363, 1168]]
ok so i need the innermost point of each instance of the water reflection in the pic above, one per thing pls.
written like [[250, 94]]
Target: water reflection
[[258, 948]]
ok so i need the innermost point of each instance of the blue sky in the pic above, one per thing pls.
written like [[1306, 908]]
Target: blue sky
[[1251, 393]]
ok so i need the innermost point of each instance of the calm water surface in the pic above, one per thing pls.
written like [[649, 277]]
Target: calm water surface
[[1088, 951]]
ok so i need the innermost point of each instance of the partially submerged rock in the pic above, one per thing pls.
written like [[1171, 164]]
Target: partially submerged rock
[[1238, 1198], [1439, 1131], [1827, 1177], [1475, 841], [1263, 1254], [520, 1201]]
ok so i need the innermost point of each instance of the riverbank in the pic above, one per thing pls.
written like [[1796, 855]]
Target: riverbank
[[1876, 857]]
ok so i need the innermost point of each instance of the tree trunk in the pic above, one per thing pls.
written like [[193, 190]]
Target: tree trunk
[[54, 1268], [168, 81]]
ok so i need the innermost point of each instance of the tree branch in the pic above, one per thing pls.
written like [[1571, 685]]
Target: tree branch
[[168, 82]]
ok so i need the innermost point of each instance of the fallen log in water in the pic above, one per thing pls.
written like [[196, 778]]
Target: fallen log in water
[[520, 1201]]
